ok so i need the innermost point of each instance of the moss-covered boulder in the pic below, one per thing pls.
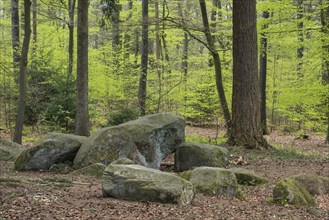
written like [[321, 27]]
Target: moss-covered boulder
[[291, 191], [146, 141], [56, 148], [213, 181], [61, 168], [191, 155], [95, 169], [135, 182], [9, 150], [248, 177], [315, 184], [123, 160], [299, 189]]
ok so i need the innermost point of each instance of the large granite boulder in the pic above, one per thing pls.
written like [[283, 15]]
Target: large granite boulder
[[146, 141], [299, 189], [9, 150], [213, 181], [135, 182], [191, 155], [248, 177], [56, 148]]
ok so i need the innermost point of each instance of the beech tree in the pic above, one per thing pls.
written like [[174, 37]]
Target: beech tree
[[218, 67], [246, 126], [82, 126], [22, 73], [143, 75]]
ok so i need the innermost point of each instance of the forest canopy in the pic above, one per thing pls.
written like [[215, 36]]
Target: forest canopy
[[180, 77]]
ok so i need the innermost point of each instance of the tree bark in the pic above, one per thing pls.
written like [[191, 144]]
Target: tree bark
[[34, 25], [143, 76], [300, 49], [82, 126], [15, 33], [218, 68], [325, 56], [22, 73], [246, 127], [263, 73], [157, 51]]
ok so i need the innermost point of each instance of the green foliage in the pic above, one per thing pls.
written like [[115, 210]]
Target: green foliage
[[121, 116]]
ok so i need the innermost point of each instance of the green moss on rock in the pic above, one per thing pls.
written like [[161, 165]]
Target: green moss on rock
[[293, 192], [248, 177]]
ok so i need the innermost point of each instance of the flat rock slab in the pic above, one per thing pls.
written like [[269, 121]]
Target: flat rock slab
[[213, 181], [191, 155], [135, 182], [146, 141], [248, 177], [56, 148]]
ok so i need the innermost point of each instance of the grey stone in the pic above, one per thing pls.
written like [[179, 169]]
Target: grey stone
[[213, 181], [95, 169], [135, 182], [9, 150], [146, 141], [191, 155], [248, 177], [56, 148]]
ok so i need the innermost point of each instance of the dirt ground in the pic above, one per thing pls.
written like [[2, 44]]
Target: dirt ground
[[44, 195]]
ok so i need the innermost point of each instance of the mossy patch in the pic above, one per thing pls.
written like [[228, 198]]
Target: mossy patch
[[291, 191], [248, 177]]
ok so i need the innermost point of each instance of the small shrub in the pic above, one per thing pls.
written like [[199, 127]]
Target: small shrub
[[122, 116]]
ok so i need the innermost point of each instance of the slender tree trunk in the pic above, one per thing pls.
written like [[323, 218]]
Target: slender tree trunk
[[143, 76], [22, 73], [325, 55], [262, 74], [82, 126], [15, 33], [69, 77], [157, 51], [34, 25], [300, 49], [218, 68], [116, 28], [246, 126]]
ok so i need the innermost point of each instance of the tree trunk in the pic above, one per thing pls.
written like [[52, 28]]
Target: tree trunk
[[157, 51], [143, 76], [69, 77], [116, 28], [34, 25], [15, 33], [22, 73], [218, 68], [262, 74], [82, 126], [325, 56], [300, 49], [246, 126]]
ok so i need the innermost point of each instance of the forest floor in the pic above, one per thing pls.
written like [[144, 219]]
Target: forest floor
[[44, 195]]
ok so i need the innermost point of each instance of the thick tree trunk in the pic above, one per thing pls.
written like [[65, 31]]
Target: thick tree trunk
[[22, 73], [262, 74], [143, 76], [82, 126], [246, 127], [218, 68]]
